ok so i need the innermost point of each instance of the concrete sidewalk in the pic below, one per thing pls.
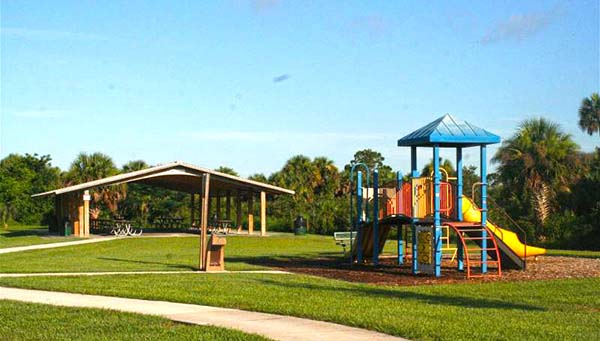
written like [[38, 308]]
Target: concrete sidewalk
[[55, 245], [277, 327]]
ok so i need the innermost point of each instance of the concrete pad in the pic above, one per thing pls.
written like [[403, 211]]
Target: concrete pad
[[277, 327]]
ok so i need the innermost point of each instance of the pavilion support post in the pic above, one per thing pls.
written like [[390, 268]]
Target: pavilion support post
[[263, 214], [200, 208], [204, 222], [80, 222], [60, 220], [238, 211], [228, 205], [86, 213], [250, 213], [192, 209], [218, 207], [57, 214], [74, 212]]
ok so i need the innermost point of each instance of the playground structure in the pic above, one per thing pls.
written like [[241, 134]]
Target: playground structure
[[425, 206]]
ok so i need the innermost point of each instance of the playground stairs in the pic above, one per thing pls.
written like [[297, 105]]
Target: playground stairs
[[471, 237]]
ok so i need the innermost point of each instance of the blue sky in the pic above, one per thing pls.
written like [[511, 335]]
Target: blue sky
[[248, 84]]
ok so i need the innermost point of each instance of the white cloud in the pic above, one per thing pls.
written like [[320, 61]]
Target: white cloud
[[43, 34], [519, 27]]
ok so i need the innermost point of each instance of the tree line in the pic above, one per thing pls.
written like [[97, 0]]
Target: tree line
[[543, 182]]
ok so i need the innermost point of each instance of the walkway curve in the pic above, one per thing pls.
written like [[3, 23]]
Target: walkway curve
[[55, 245], [273, 326]]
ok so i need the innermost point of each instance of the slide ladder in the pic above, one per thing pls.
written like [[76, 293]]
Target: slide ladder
[[471, 237]]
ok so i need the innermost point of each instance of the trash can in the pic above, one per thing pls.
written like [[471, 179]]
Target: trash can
[[68, 229], [299, 226]]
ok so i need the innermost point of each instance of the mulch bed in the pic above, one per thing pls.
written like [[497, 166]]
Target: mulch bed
[[544, 268]]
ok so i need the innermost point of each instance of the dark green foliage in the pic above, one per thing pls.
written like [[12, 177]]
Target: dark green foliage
[[543, 183], [536, 166], [20, 177], [227, 170], [316, 183]]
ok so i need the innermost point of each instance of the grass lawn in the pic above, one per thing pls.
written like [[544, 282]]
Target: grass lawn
[[28, 235], [574, 253], [174, 253], [558, 310], [28, 321]]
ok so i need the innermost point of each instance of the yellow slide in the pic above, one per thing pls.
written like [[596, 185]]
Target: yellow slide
[[472, 214]]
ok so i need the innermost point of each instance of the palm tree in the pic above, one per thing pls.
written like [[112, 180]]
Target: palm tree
[[134, 165], [89, 167], [589, 114], [327, 176], [444, 164], [538, 159], [227, 170]]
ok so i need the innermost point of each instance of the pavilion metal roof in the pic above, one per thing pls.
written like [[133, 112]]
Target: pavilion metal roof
[[448, 131], [177, 176]]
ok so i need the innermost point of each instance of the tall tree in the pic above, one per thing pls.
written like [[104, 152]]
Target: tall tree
[[372, 159], [589, 114], [227, 170], [444, 164], [89, 167], [134, 165], [536, 163], [20, 177], [139, 196]]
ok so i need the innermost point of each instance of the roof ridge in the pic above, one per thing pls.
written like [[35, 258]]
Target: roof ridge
[[450, 131]]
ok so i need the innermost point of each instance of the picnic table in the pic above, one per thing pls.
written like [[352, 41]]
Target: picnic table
[[163, 222], [118, 227], [222, 226]]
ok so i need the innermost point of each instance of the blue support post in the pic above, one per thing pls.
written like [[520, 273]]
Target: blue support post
[[399, 204], [375, 217], [359, 217], [436, 212], [414, 173], [459, 199], [483, 165]]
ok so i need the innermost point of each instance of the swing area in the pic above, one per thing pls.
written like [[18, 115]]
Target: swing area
[[429, 210]]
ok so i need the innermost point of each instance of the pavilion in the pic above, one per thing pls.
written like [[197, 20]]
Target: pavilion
[[204, 185]]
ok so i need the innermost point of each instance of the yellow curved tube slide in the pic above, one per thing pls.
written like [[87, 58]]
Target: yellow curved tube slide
[[473, 215]]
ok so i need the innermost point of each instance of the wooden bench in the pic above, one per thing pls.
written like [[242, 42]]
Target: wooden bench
[[344, 239]]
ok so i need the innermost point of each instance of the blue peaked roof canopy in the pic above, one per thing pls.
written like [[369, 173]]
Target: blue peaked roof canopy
[[448, 131]]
